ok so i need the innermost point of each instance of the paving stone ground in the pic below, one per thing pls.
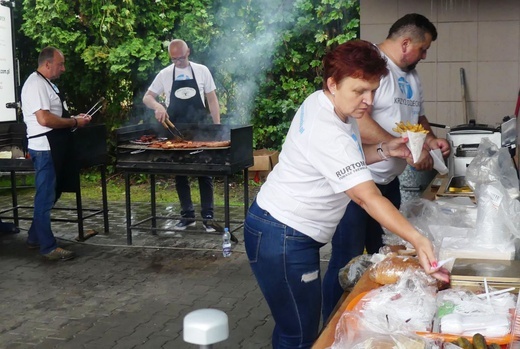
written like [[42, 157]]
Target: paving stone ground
[[118, 296]]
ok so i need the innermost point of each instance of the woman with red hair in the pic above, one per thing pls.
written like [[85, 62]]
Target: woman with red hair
[[322, 166]]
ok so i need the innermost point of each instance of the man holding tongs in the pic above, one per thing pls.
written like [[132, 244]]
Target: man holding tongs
[[50, 145], [186, 85]]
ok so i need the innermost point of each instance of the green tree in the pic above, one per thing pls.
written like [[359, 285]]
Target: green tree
[[265, 54]]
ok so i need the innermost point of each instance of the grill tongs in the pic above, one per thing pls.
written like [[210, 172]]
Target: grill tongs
[[95, 108], [172, 129]]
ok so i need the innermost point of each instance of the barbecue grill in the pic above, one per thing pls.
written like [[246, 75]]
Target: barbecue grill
[[91, 149], [202, 161]]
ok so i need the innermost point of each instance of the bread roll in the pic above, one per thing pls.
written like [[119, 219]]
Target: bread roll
[[390, 269]]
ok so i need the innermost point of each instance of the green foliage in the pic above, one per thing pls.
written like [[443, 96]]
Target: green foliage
[[265, 55]]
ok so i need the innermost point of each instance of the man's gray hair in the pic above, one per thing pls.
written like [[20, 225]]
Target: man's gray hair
[[47, 54]]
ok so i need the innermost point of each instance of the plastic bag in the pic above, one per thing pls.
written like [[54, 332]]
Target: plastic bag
[[463, 312], [492, 164], [497, 215], [408, 305], [390, 269], [435, 220], [353, 332], [350, 274]]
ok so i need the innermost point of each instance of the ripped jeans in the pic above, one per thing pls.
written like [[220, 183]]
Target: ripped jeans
[[286, 264]]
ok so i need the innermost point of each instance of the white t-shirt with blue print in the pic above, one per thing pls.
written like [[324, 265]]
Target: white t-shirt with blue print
[[321, 158], [398, 98]]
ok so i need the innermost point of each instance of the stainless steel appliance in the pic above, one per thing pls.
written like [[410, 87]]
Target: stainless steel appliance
[[464, 141]]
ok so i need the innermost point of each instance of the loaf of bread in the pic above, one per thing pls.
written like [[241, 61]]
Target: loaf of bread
[[390, 269]]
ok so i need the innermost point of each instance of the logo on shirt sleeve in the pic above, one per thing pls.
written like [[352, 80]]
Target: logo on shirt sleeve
[[351, 169]]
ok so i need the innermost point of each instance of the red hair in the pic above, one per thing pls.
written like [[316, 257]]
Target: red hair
[[357, 59]]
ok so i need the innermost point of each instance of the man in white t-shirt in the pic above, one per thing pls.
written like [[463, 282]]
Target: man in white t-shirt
[[185, 86], [398, 98], [50, 146]]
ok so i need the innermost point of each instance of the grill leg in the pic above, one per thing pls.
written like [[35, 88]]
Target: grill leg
[[153, 205], [128, 210], [104, 197], [14, 197], [79, 205], [226, 201]]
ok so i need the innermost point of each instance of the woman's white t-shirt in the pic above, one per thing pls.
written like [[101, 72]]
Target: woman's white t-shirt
[[321, 158]]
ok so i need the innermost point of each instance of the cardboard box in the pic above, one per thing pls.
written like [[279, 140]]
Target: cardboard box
[[264, 162]]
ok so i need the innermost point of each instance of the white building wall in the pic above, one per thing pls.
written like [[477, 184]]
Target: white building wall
[[481, 36]]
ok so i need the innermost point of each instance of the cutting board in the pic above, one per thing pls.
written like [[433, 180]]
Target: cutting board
[[498, 271]]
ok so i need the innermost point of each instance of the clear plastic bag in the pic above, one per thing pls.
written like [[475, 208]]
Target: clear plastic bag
[[408, 305], [435, 220], [353, 332], [463, 312], [350, 274], [390, 269], [492, 164], [497, 215]]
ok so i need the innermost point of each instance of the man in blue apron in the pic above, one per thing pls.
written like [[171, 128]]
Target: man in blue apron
[[184, 85], [51, 149]]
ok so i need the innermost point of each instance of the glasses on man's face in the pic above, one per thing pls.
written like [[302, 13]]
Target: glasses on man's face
[[179, 59]]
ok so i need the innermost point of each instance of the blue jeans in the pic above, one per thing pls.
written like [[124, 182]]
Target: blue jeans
[[182, 185], [40, 231], [286, 264], [355, 232]]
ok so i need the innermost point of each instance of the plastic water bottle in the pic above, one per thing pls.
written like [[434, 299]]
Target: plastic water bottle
[[226, 243]]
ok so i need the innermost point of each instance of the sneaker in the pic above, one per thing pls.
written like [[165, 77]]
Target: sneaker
[[32, 245], [59, 254], [184, 223], [211, 226]]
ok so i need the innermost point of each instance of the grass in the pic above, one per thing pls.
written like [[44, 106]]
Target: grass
[[140, 188]]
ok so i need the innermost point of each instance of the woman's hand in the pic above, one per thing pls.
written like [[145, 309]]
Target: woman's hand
[[424, 249], [397, 148], [425, 162]]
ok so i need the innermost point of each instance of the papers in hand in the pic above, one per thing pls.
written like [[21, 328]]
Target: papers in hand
[[438, 161]]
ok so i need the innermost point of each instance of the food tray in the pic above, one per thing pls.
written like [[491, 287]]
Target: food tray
[[139, 142], [454, 186]]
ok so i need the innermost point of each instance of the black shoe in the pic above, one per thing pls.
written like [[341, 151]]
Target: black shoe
[[184, 223], [211, 226]]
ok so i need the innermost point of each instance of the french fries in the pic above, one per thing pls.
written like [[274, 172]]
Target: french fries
[[404, 127]]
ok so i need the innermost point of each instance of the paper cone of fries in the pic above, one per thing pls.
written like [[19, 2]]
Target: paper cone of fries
[[416, 136], [415, 143]]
